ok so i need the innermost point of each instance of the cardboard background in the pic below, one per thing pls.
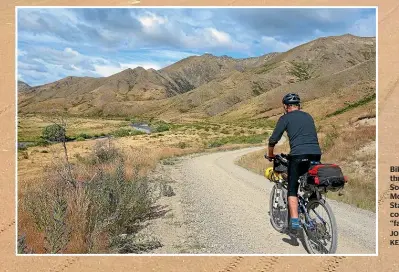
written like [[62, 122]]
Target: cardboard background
[[388, 102]]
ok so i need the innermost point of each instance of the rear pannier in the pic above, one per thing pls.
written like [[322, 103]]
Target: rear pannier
[[329, 176]]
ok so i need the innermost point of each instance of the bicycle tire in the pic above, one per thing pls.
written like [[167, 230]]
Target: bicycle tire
[[334, 230], [282, 227]]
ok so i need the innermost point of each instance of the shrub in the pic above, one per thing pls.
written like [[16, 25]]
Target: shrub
[[123, 132], [329, 140], [83, 135], [162, 128], [79, 139], [182, 145], [102, 214], [22, 247], [359, 103], [42, 142], [54, 133], [103, 153], [48, 208], [251, 139], [215, 143], [301, 70], [25, 155]]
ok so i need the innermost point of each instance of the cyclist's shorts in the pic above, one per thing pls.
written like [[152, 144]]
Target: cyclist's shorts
[[298, 165]]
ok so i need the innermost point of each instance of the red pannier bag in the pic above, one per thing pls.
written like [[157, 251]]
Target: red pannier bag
[[329, 176]]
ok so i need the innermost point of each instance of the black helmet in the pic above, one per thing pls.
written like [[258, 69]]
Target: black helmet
[[291, 99]]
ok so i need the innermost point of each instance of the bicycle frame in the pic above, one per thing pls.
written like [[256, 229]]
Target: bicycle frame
[[302, 202]]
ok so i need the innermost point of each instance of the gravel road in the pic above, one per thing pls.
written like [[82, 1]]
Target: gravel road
[[222, 208]]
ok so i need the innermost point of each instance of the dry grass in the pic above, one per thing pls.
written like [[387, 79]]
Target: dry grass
[[352, 148], [36, 175], [107, 201], [30, 127]]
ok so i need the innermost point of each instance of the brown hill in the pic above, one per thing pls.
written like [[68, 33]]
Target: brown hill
[[23, 87], [131, 88], [318, 68], [216, 87]]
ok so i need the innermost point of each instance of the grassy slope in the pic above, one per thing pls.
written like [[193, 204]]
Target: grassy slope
[[350, 144]]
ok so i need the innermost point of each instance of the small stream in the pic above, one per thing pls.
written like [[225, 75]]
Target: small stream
[[139, 126], [142, 127]]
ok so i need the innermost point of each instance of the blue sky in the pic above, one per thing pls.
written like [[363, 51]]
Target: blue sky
[[55, 43]]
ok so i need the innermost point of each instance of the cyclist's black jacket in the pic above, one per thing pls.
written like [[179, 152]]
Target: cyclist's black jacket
[[301, 132]]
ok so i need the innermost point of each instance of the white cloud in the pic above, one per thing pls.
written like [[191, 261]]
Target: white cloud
[[220, 36], [75, 68], [169, 54], [274, 45], [151, 22], [212, 38], [72, 52]]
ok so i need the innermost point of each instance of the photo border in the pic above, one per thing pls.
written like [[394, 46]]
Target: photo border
[[185, 254]]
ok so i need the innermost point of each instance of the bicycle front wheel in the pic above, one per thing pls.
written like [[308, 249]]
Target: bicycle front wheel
[[278, 208], [320, 231]]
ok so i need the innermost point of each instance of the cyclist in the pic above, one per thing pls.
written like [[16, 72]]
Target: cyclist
[[304, 148]]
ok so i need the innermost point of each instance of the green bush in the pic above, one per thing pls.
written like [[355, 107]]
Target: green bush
[[251, 139], [359, 103], [301, 70], [216, 143], [80, 139], [48, 207], [54, 133], [162, 128], [123, 132], [42, 142], [83, 135]]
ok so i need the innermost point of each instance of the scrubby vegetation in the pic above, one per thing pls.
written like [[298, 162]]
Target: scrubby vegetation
[[359, 103], [301, 70], [250, 139], [352, 148], [102, 212]]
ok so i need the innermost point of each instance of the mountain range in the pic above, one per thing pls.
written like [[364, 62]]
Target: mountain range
[[326, 72]]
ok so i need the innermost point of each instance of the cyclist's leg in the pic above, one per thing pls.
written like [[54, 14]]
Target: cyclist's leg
[[293, 188], [298, 166]]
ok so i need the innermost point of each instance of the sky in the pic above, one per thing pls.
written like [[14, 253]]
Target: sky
[[56, 43]]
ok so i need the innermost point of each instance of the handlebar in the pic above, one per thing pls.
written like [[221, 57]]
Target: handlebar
[[278, 157]]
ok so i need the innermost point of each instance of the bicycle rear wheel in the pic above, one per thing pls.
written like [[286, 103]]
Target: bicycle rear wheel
[[278, 208], [320, 232]]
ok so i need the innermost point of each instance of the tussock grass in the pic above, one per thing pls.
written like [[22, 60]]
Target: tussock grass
[[352, 148]]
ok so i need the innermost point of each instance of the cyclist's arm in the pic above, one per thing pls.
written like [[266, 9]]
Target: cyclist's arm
[[276, 135]]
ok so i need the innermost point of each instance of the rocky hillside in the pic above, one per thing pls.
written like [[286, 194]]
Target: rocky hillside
[[23, 87], [219, 87]]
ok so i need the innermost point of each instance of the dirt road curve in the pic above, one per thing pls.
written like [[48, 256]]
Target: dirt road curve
[[227, 210]]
